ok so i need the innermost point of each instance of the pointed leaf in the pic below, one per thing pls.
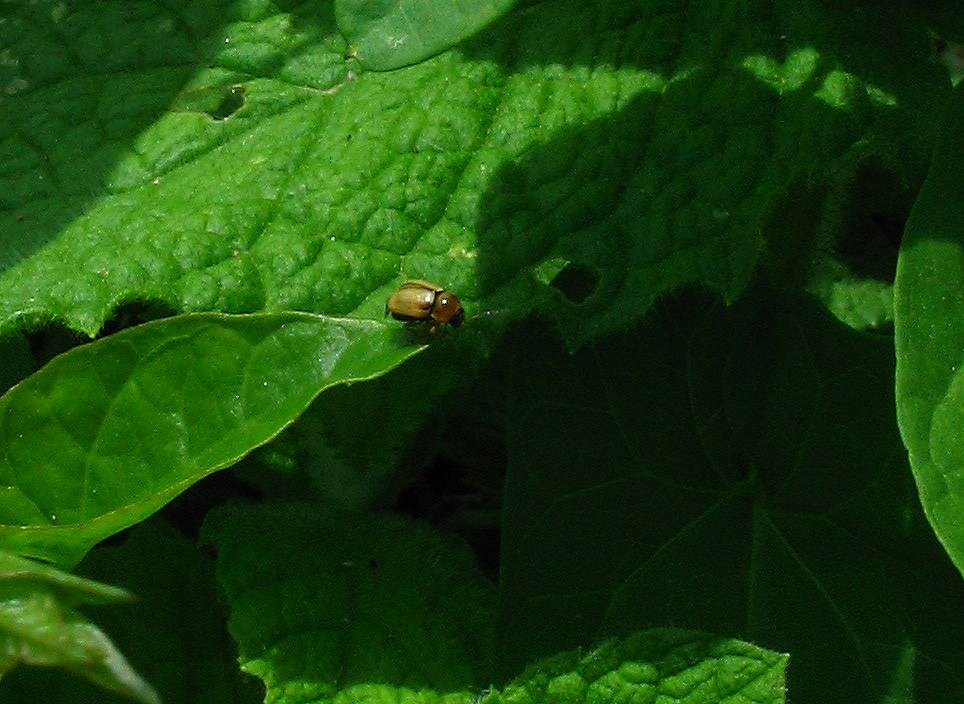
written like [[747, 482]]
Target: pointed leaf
[[38, 627], [109, 432]]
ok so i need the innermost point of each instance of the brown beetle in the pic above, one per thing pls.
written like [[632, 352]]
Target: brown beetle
[[417, 301]]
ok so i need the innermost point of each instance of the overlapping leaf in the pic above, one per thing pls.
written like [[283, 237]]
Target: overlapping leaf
[[108, 433], [742, 475]]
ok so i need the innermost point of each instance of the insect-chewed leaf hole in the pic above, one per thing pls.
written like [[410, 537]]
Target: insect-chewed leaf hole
[[576, 282]]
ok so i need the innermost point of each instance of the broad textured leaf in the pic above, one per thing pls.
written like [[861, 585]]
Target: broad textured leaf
[[743, 476], [250, 166], [652, 666], [393, 33], [929, 327], [372, 609], [109, 432], [322, 604]]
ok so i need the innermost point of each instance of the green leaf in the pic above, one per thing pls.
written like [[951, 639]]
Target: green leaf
[[352, 608], [652, 665], [38, 626], [67, 588], [251, 167], [929, 328], [741, 475], [109, 432], [392, 33], [173, 633], [861, 303], [323, 603]]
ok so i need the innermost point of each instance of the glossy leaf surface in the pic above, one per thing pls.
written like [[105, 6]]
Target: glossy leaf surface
[[109, 432]]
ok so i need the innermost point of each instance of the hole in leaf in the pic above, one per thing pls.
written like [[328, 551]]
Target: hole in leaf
[[576, 282], [220, 102], [231, 101]]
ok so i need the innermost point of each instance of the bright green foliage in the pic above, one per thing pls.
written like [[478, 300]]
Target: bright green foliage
[[650, 667], [929, 327], [323, 603], [733, 470], [380, 609], [385, 35], [39, 626], [108, 433], [862, 304], [250, 166]]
